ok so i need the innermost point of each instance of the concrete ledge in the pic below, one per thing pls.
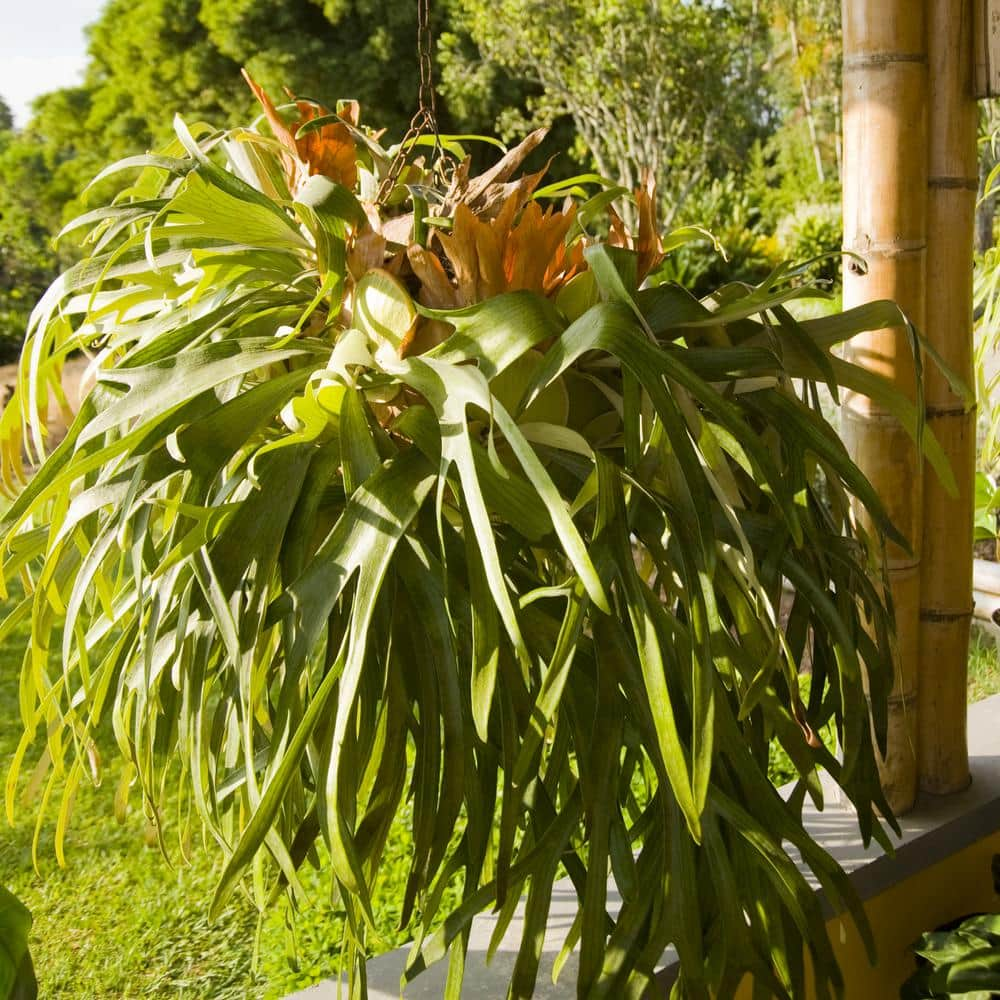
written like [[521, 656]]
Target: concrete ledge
[[986, 594], [938, 829]]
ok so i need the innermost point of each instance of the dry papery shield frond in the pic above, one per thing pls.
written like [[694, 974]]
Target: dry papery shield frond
[[440, 510]]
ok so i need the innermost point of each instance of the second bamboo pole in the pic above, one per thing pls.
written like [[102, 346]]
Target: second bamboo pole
[[885, 201], [946, 584]]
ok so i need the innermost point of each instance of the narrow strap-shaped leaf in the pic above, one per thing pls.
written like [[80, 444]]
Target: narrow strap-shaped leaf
[[263, 816], [599, 801], [551, 842], [371, 525], [164, 384], [649, 654], [485, 636]]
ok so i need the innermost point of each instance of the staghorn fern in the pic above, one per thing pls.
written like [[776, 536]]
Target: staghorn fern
[[426, 500]]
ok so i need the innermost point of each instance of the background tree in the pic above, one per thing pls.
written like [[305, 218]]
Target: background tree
[[362, 49], [42, 169], [6, 117], [147, 60], [803, 155], [150, 58], [672, 86]]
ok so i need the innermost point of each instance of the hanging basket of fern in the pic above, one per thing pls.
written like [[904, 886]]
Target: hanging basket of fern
[[420, 502]]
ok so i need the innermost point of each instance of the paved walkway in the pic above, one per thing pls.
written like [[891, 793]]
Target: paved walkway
[[936, 828]]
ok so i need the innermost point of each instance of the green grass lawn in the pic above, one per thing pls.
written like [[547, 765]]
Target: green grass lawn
[[984, 667], [117, 921]]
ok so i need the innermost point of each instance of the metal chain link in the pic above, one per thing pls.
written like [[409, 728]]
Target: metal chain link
[[425, 119]]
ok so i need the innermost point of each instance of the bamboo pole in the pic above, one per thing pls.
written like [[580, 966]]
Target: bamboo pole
[[885, 202], [946, 583]]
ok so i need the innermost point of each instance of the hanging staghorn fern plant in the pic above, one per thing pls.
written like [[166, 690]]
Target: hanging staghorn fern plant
[[426, 503]]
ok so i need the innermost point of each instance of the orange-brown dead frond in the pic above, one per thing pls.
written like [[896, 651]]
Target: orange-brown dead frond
[[522, 247], [535, 255], [618, 234], [436, 291], [281, 131], [474, 248], [367, 251], [482, 193], [648, 245], [329, 150]]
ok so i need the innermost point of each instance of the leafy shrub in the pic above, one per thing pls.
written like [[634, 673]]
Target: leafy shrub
[[987, 507], [813, 231], [742, 249], [17, 975], [961, 962]]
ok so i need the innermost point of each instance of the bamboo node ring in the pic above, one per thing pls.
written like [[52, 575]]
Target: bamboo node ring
[[943, 617], [883, 60]]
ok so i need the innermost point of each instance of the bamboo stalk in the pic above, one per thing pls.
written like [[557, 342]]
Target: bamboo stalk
[[946, 588], [885, 202]]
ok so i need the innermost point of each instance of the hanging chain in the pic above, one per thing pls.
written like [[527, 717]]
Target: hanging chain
[[425, 119], [425, 53]]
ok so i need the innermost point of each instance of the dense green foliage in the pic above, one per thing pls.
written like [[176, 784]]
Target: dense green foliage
[[30, 213], [803, 153]]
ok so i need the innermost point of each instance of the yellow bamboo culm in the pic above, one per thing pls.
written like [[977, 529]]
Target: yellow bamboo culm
[[946, 583], [885, 208]]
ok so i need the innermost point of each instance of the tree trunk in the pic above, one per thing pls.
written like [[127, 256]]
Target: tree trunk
[[946, 582], [838, 140], [986, 209], [985, 215], [885, 207], [807, 105]]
